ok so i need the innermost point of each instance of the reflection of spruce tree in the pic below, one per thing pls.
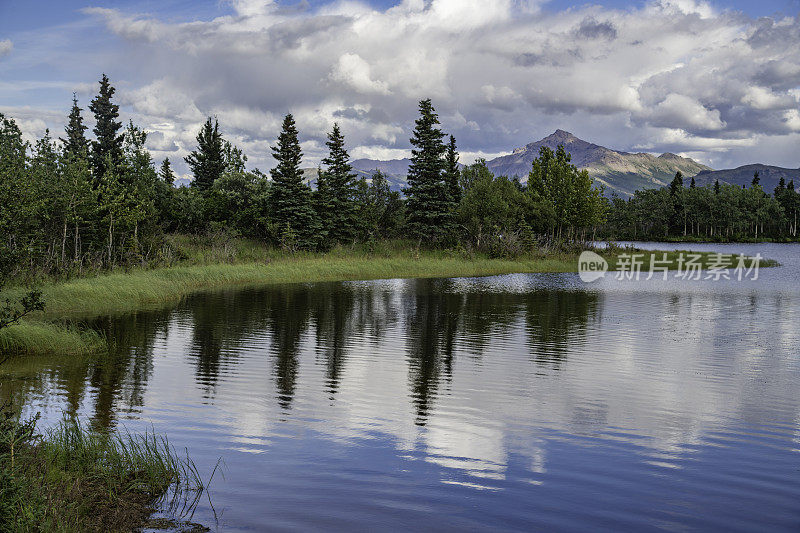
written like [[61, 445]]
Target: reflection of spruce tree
[[333, 308], [432, 322], [288, 311], [484, 315], [555, 320], [120, 378], [220, 323]]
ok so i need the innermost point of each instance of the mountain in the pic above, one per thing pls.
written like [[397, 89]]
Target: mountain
[[396, 182], [768, 175], [395, 167], [621, 172]]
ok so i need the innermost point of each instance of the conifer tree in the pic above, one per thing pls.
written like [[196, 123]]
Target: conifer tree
[[290, 197], [166, 173], [428, 202], [107, 145], [339, 186], [208, 161], [451, 173], [75, 145]]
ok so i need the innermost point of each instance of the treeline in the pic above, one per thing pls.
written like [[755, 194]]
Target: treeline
[[81, 203], [717, 212]]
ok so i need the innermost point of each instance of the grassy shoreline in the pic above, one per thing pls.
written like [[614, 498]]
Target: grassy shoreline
[[74, 479], [123, 292]]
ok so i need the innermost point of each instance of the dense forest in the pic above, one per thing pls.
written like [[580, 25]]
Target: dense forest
[[78, 203], [720, 212]]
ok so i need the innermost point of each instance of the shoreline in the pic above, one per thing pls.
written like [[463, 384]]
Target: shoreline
[[119, 293]]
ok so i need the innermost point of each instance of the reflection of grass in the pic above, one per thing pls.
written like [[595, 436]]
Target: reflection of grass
[[241, 263], [73, 479]]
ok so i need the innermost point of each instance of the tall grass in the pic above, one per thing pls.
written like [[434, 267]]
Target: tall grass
[[205, 264], [74, 479], [124, 292], [42, 338]]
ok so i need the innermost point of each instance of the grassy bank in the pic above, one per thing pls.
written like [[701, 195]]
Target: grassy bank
[[243, 264], [39, 337], [72, 479]]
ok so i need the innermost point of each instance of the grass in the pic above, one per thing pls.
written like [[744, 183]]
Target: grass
[[205, 264], [42, 338], [74, 479]]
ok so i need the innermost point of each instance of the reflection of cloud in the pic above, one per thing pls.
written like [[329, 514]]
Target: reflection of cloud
[[478, 450], [653, 374]]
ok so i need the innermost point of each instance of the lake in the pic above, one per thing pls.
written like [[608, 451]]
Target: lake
[[518, 402]]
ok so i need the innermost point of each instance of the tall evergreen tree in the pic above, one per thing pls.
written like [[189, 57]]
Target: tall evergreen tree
[[339, 185], [107, 145], [756, 179], [451, 173], [428, 204], [208, 161], [166, 173], [290, 198], [75, 145]]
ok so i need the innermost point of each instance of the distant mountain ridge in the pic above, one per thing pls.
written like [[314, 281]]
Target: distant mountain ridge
[[768, 176], [621, 172]]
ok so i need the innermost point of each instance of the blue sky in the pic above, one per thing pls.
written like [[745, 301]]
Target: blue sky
[[32, 14], [707, 79]]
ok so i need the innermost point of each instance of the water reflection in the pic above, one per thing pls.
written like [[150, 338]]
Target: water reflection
[[419, 388]]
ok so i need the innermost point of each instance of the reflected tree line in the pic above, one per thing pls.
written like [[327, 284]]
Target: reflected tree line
[[432, 322]]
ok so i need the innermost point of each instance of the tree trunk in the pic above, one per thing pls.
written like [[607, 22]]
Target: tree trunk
[[110, 238]]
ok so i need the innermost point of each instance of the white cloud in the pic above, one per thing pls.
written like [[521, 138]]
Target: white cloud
[[354, 71], [677, 110], [501, 74], [5, 47]]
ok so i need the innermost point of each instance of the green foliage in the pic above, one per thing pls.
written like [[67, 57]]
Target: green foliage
[[429, 203], [74, 479], [165, 172], [76, 145], [107, 146], [380, 210], [492, 208], [336, 191], [451, 173], [718, 212], [208, 161], [566, 199], [290, 198]]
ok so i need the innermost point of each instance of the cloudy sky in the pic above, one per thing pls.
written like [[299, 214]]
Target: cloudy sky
[[715, 80]]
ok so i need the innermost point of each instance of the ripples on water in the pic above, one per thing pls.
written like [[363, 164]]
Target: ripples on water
[[513, 402]]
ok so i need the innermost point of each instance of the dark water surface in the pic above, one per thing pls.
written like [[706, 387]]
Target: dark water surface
[[511, 403]]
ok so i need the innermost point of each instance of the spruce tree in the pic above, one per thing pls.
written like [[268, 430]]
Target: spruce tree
[[428, 202], [166, 173], [451, 173], [340, 189], [290, 197], [107, 145], [208, 161], [75, 145]]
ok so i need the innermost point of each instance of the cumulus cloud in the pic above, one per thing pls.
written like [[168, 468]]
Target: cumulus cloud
[[355, 72], [5, 47], [675, 75]]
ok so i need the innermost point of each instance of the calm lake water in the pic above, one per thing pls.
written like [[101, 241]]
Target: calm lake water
[[513, 403]]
